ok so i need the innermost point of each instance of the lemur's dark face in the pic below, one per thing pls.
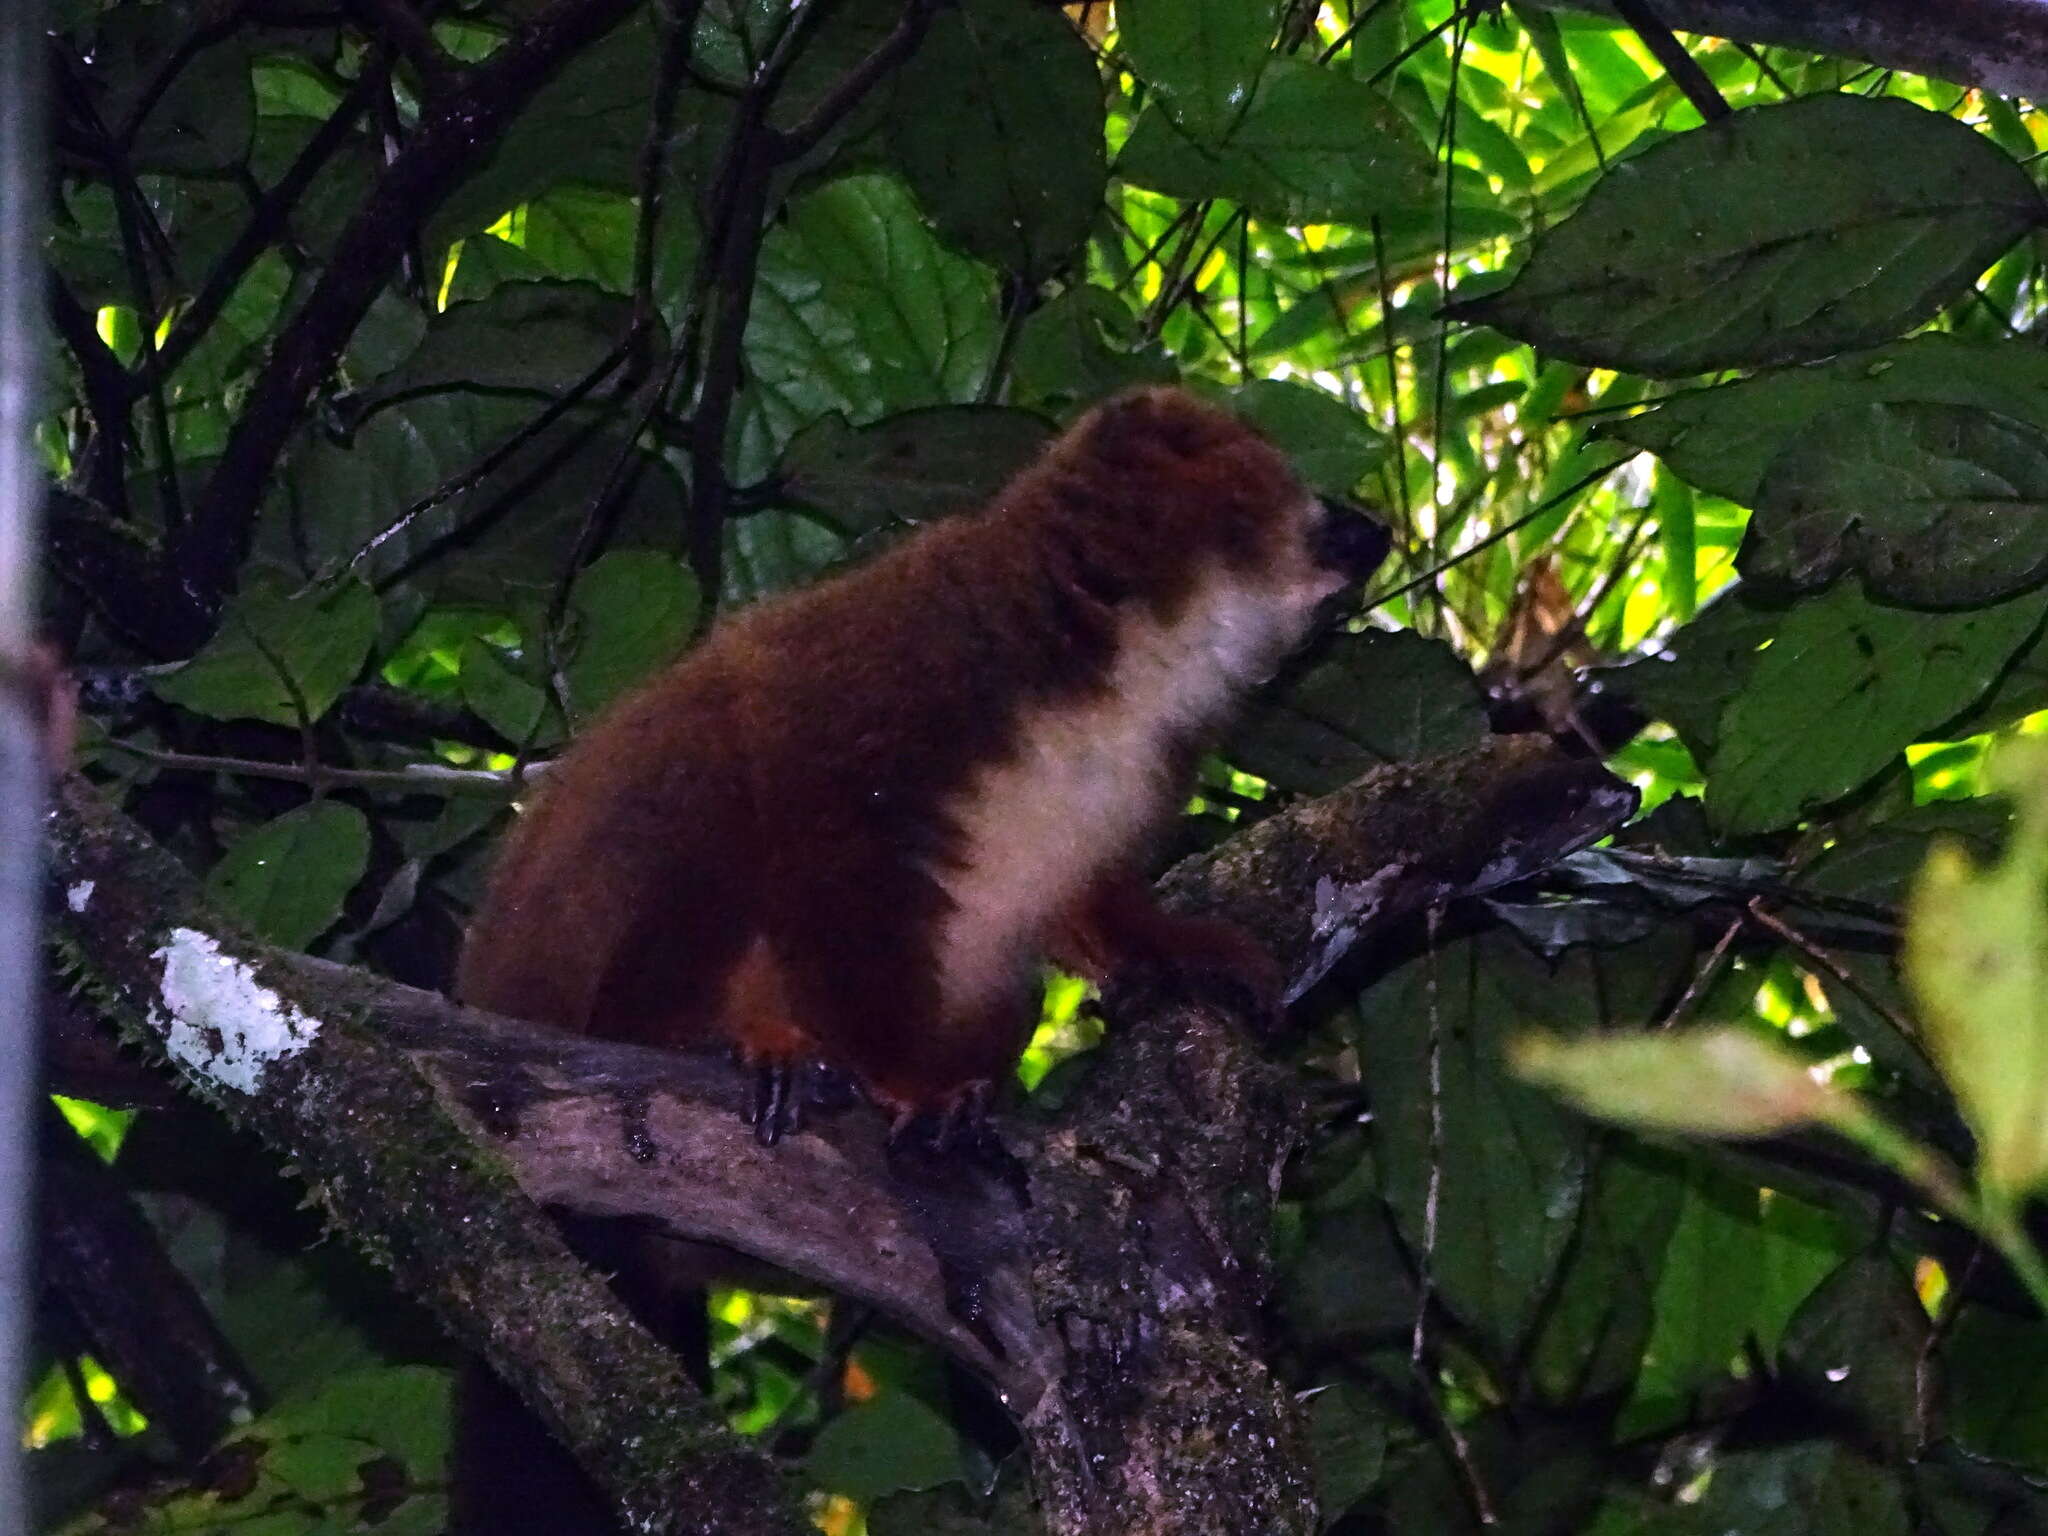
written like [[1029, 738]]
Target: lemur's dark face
[[1349, 541]]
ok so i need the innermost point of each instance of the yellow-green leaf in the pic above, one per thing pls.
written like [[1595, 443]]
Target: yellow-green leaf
[[1976, 953]]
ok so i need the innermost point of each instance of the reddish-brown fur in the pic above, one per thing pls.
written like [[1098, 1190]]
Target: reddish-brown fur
[[767, 844]]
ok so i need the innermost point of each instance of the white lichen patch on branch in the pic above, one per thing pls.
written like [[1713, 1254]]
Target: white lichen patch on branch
[[225, 1025]]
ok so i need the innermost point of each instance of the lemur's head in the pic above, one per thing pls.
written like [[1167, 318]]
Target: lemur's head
[[1189, 508]]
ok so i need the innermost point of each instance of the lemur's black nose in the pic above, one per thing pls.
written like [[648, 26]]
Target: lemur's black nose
[[1350, 541]]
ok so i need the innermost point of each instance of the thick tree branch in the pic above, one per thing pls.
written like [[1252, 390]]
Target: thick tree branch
[[451, 143], [2001, 45], [290, 1058], [1124, 1302]]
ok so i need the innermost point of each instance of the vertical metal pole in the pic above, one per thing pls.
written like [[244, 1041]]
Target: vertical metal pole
[[22, 339]]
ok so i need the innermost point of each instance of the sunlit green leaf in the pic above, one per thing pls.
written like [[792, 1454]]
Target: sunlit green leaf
[[1976, 951], [1717, 1082]]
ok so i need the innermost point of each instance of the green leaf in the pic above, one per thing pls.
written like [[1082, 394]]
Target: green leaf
[[1081, 346], [535, 336], [1876, 864], [911, 467], [506, 692], [1381, 696], [1590, 1345], [1937, 505], [634, 610], [288, 878], [205, 116], [1897, 674], [1315, 144], [1204, 56], [1723, 439], [1701, 1082], [860, 310], [1857, 1349], [586, 125], [997, 126], [1498, 1167], [1976, 952], [1347, 1432], [894, 1442], [772, 551], [1805, 1488], [272, 632], [1332, 446], [1778, 234], [1995, 1366], [1738, 1265], [517, 524], [1709, 661], [367, 1452]]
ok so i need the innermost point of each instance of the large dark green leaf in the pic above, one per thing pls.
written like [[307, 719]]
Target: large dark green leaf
[[1501, 1165], [1940, 505], [1843, 689], [997, 126], [1203, 56], [1995, 1365], [275, 639], [287, 879], [1857, 1348], [1378, 697], [1314, 144], [860, 310], [910, 467], [535, 336], [1806, 1488], [587, 125], [1589, 1342], [202, 120], [1723, 439], [1348, 1439], [516, 525], [1777, 234]]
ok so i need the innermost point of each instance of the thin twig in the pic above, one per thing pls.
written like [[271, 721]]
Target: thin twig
[[1834, 969], [1681, 66], [414, 778]]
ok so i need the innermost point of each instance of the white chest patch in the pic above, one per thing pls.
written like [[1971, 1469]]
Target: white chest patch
[[1037, 827]]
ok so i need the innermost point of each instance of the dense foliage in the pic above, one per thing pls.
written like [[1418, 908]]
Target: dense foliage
[[417, 394]]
